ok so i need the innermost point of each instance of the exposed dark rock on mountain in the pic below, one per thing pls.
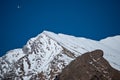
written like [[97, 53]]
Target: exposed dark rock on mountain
[[89, 66]]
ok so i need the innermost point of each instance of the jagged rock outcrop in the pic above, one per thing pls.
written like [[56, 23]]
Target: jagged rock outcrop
[[89, 66]]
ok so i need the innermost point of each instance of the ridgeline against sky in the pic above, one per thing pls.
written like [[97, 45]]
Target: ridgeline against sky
[[23, 19]]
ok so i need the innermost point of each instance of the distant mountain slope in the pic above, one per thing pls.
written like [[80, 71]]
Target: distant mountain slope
[[45, 55]]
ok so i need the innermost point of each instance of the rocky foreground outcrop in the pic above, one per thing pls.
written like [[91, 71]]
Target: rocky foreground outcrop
[[89, 66]]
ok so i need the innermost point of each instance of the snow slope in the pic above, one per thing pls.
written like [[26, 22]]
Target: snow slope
[[80, 45], [45, 55]]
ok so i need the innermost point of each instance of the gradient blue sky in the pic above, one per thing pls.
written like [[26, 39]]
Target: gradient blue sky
[[95, 19]]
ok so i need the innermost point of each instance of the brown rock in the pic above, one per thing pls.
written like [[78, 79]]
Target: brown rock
[[89, 66]]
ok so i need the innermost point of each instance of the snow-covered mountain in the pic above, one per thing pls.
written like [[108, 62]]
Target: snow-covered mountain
[[44, 56]]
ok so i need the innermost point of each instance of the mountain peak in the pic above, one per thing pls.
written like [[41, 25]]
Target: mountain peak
[[44, 56]]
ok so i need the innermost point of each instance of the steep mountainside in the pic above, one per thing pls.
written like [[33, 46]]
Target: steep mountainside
[[44, 56]]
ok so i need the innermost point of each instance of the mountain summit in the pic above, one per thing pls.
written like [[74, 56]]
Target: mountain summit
[[44, 56]]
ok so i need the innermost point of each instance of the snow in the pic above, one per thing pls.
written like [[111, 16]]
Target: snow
[[25, 66], [113, 42], [80, 45], [14, 55], [48, 47], [26, 77], [46, 52]]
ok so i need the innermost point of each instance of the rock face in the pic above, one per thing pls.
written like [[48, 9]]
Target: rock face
[[89, 66]]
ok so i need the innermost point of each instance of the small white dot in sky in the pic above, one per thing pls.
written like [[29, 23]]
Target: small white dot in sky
[[18, 6]]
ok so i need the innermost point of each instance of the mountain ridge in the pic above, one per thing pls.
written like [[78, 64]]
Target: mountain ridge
[[45, 55]]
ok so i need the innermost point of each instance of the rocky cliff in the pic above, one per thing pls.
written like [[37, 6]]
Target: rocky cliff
[[89, 66]]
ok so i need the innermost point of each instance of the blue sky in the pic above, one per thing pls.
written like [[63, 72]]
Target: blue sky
[[95, 19]]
